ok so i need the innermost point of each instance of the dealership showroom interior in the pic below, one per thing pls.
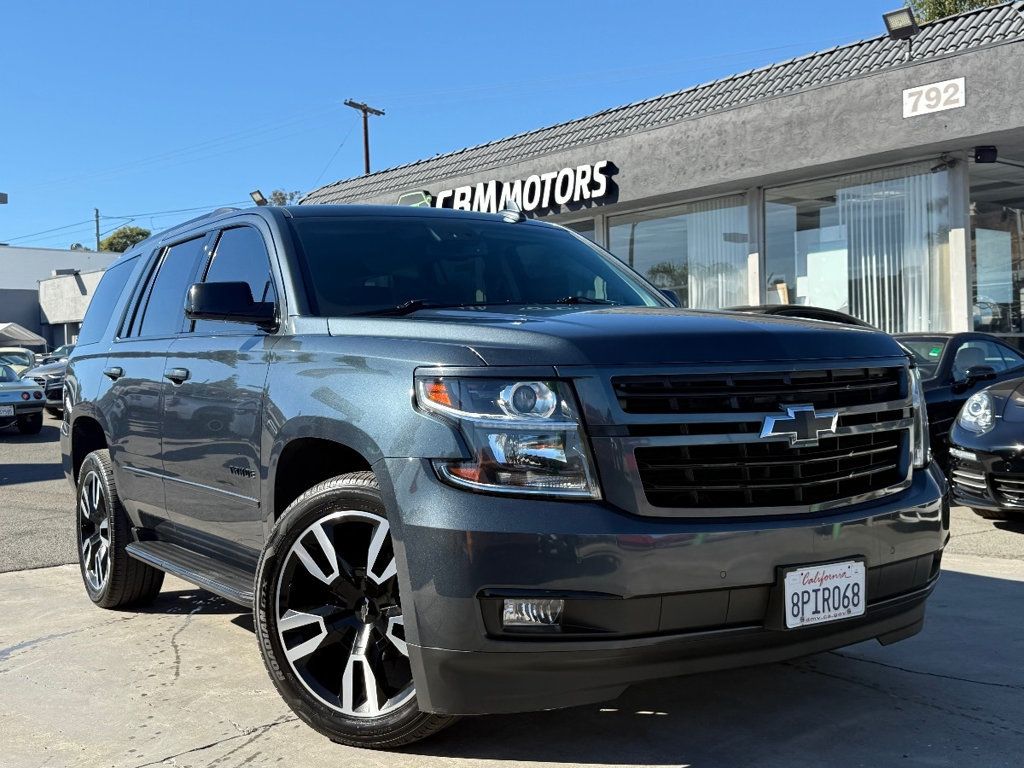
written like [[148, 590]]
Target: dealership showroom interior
[[548, 385]]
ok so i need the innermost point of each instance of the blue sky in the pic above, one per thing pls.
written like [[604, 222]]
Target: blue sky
[[144, 109]]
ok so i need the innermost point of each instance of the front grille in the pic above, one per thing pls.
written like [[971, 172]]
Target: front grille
[[1009, 488], [737, 392], [40, 380], [773, 474]]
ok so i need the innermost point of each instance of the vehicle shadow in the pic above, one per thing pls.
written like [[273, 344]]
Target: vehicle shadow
[[50, 433], [18, 474], [1016, 525], [191, 601]]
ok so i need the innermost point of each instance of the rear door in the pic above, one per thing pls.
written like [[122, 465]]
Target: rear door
[[135, 366], [213, 410]]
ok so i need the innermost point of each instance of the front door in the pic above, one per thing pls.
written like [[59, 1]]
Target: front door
[[213, 413]]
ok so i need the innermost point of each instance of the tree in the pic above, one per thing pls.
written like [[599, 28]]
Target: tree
[[120, 240], [930, 10], [280, 197]]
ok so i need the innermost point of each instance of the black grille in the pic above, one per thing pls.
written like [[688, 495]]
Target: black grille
[[1009, 489], [772, 474], [55, 388], [756, 392]]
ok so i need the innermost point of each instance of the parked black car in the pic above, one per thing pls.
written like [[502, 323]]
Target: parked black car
[[954, 366], [987, 452], [462, 463], [51, 378]]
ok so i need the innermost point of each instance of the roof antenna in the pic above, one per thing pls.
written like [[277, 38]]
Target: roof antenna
[[512, 213]]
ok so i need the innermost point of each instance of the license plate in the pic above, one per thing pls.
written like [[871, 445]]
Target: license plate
[[6, 410], [820, 593]]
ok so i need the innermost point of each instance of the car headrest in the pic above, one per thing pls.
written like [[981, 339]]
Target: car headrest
[[969, 357]]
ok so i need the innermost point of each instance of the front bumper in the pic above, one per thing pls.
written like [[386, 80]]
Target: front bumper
[[673, 596], [986, 472]]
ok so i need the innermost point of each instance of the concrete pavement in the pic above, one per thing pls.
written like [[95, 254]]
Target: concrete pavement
[[181, 683]]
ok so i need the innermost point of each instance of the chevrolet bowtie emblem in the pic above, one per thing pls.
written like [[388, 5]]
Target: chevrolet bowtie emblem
[[803, 425]]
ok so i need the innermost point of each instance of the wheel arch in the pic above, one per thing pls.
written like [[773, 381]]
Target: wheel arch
[[309, 450]]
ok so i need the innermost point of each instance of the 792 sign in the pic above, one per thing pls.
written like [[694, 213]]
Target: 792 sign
[[934, 97]]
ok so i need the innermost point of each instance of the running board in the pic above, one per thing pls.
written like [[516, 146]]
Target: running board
[[231, 583]]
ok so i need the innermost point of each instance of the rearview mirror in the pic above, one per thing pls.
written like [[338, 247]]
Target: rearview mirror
[[980, 373], [232, 302]]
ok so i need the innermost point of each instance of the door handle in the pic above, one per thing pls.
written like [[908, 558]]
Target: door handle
[[177, 375], [114, 373]]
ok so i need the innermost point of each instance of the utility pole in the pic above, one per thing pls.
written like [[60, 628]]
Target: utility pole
[[97, 210], [367, 111]]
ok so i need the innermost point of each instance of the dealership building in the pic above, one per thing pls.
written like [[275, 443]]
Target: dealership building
[[884, 178]]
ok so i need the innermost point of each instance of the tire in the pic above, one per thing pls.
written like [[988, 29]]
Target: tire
[[990, 514], [112, 578], [31, 424], [301, 569]]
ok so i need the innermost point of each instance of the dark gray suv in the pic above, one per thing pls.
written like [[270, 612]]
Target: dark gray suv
[[464, 463]]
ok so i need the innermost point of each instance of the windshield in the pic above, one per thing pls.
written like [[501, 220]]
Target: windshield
[[362, 265], [16, 358], [927, 354]]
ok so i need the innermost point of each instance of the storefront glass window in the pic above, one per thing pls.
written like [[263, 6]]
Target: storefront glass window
[[699, 250], [997, 236], [874, 244], [585, 228]]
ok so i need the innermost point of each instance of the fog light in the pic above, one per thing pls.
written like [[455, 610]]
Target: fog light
[[532, 613]]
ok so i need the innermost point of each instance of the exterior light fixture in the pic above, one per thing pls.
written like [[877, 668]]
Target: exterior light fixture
[[901, 24], [3, 198], [258, 198], [986, 154]]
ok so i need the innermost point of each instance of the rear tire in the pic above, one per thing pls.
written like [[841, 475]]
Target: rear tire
[[112, 577], [330, 628], [31, 424], [991, 514]]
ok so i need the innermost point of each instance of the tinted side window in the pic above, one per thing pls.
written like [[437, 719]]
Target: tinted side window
[[104, 301], [977, 352], [165, 306], [240, 256], [1012, 357]]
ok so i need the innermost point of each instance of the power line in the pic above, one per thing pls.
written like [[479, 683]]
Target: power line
[[125, 220], [336, 151], [47, 231]]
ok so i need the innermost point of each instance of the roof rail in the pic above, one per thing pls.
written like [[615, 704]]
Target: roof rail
[[183, 225]]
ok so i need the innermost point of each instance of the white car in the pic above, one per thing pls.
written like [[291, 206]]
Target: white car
[[21, 402], [18, 358]]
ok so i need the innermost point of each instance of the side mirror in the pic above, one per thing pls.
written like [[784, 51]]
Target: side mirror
[[672, 296], [228, 301], [980, 373]]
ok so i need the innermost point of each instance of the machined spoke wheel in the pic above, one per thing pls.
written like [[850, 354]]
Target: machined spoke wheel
[[94, 532], [339, 619]]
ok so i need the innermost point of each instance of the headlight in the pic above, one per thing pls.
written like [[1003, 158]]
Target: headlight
[[523, 436], [922, 451], [977, 415]]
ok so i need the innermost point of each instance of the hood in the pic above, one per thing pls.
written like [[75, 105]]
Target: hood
[[48, 369], [627, 336]]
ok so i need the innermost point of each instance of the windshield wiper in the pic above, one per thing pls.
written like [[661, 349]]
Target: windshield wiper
[[415, 305], [582, 300]]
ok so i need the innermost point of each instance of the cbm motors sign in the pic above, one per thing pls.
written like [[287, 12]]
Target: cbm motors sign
[[541, 191]]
